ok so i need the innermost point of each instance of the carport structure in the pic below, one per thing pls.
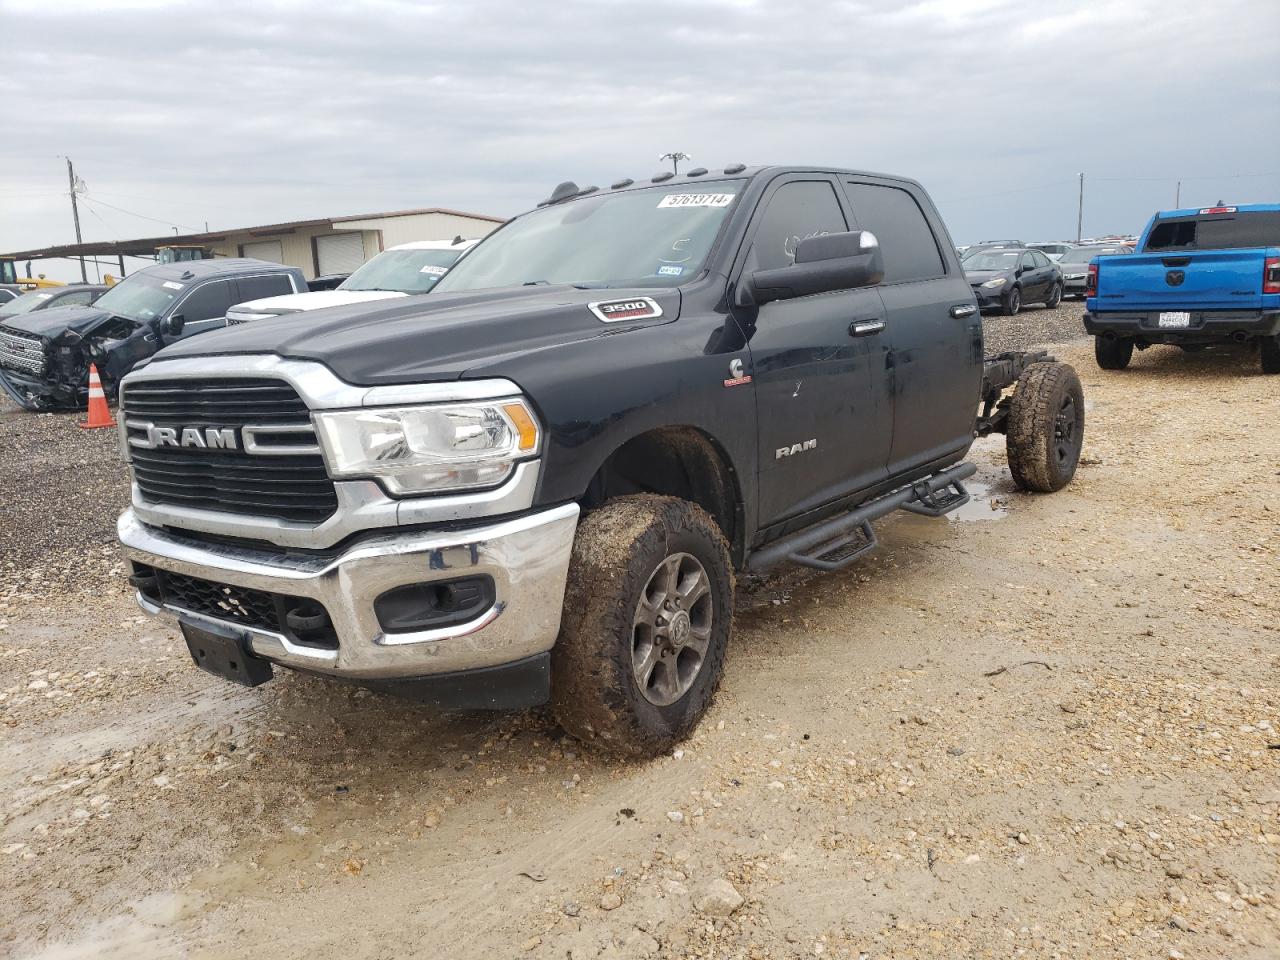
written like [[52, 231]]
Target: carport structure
[[318, 247]]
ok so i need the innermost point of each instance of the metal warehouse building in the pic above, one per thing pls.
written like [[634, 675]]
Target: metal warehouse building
[[318, 247]]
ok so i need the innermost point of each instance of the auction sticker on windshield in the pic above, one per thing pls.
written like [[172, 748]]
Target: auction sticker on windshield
[[696, 200], [173, 285], [434, 270]]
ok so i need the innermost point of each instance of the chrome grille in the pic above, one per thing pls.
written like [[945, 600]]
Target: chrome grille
[[21, 351], [281, 485]]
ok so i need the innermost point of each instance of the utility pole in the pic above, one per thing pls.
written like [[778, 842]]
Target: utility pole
[[675, 159], [1080, 212], [1177, 197], [75, 213]]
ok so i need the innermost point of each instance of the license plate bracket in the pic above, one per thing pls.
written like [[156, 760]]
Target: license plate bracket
[[1174, 319], [224, 652]]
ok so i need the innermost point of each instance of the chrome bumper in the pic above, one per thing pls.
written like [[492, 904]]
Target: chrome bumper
[[528, 559]]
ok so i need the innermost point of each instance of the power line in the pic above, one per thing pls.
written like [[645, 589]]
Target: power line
[[141, 216]]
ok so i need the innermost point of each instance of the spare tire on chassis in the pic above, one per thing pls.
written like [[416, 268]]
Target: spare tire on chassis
[[647, 615], [1045, 429]]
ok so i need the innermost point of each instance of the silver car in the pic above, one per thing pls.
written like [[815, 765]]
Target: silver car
[[1075, 265]]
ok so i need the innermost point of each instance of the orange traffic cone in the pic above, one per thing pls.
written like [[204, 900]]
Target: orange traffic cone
[[99, 415]]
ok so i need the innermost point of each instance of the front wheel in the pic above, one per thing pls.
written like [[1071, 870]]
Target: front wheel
[[647, 615], [1012, 302], [1055, 297], [1270, 349], [1113, 354], [1046, 427]]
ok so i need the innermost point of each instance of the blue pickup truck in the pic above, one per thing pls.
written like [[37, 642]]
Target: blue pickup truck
[[1199, 277]]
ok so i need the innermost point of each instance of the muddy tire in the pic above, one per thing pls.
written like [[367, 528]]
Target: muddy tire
[[647, 615], [1269, 347], [1112, 354], [1046, 427]]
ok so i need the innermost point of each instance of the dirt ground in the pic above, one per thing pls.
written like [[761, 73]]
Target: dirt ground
[[1046, 728]]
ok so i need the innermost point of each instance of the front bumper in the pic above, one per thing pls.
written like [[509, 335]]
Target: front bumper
[[989, 299], [526, 557], [1206, 326], [1074, 286]]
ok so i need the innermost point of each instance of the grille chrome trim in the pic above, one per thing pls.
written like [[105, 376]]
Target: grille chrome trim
[[22, 351], [362, 504]]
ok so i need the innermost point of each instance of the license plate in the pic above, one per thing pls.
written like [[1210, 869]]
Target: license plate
[[1176, 318], [224, 652]]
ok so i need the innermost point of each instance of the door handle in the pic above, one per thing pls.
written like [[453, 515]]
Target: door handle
[[865, 328], [962, 310]]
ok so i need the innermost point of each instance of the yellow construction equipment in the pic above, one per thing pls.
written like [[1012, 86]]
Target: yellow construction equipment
[[9, 274]]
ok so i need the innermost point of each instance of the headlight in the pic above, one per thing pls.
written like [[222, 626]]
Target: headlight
[[432, 448], [994, 284]]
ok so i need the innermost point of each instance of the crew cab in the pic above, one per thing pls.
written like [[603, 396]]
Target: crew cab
[[45, 355], [539, 482], [1199, 277], [403, 270]]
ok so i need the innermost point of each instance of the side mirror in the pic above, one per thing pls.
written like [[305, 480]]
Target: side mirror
[[836, 261], [172, 326]]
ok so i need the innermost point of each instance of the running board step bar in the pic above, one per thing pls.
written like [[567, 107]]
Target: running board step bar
[[838, 542]]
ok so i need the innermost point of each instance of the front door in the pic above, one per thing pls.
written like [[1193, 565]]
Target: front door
[[823, 414]]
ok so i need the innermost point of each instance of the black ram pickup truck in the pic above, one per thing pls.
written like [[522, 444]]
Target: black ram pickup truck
[[540, 482]]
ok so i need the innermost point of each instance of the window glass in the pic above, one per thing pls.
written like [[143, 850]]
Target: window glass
[[796, 211], [255, 288], [1039, 259], [209, 300], [71, 299], [909, 247], [403, 271], [1217, 232], [654, 237]]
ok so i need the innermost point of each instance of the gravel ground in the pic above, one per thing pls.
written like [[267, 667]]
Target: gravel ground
[[1047, 729], [1035, 327]]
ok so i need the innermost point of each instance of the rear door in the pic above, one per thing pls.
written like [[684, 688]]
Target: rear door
[[932, 344], [823, 410]]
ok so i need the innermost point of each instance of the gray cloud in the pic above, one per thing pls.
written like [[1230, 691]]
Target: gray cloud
[[241, 113]]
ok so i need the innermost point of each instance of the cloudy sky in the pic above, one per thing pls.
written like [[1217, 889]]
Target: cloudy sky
[[246, 113]]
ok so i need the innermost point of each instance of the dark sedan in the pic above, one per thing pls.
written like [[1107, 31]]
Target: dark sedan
[[1006, 279], [1075, 265], [80, 295]]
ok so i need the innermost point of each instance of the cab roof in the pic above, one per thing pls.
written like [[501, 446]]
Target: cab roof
[[202, 269]]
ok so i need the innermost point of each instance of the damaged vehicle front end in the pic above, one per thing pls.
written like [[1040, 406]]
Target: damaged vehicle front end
[[45, 357]]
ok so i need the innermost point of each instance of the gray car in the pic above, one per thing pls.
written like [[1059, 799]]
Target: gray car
[[1075, 265]]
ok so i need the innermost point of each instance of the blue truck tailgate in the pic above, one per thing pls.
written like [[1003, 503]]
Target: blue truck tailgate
[[1183, 280]]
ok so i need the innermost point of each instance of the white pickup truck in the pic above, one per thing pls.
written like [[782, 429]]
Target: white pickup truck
[[404, 270]]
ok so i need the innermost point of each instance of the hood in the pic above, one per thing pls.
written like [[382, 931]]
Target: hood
[[55, 320], [982, 276], [297, 302], [437, 336]]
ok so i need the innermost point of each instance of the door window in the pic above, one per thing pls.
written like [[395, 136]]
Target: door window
[[907, 242], [207, 301], [79, 297], [1039, 258], [255, 288], [796, 211]]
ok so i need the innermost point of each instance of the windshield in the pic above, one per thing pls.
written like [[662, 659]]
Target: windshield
[[655, 237], [141, 297], [25, 303], [993, 260], [404, 271], [1085, 254]]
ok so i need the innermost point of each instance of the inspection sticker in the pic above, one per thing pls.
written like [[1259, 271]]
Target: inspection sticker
[[435, 271], [696, 200], [172, 285]]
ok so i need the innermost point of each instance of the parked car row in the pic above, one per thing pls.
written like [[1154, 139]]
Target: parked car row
[[48, 337], [1006, 275]]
